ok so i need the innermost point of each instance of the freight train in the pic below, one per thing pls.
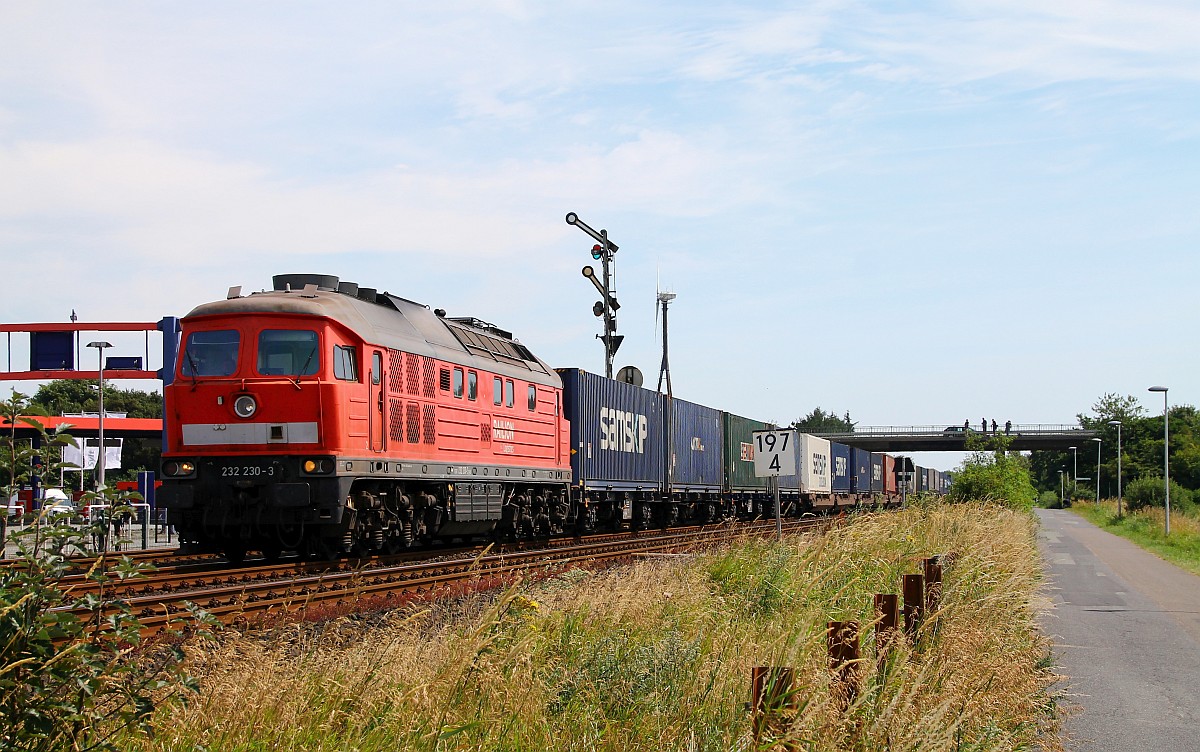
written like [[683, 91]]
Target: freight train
[[328, 418]]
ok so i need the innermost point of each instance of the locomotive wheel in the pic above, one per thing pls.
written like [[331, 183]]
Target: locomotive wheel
[[235, 553]]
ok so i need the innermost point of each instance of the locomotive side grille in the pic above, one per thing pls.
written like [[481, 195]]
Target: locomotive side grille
[[395, 415], [412, 373], [429, 424], [396, 372], [485, 433], [413, 415], [427, 372]]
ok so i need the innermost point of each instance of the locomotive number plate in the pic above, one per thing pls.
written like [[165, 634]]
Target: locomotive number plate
[[247, 471]]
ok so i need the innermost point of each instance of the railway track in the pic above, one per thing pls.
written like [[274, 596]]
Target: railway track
[[252, 594]]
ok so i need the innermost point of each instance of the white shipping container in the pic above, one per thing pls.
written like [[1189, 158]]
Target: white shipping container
[[815, 465]]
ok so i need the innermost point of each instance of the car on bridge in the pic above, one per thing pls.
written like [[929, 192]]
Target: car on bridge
[[959, 429]]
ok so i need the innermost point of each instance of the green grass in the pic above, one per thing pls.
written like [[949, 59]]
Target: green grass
[[658, 656], [1146, 528]]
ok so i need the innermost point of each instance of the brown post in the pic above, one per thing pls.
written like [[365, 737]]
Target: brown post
[[933, 584], [842, 637], [914, 601], [887, 626], [771, 699]]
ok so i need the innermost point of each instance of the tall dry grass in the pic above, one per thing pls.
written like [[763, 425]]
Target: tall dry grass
[[658, 656]]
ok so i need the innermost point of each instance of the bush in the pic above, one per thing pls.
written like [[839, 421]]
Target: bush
[[1147, 491], [995, 475], [1049, 500]]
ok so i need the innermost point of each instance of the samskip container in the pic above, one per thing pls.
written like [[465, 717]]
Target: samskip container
[[696, 442], [860, 471], [842, 468], [617, 435]]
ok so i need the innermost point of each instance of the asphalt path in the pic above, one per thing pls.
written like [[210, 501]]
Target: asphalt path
[[1125, 627]]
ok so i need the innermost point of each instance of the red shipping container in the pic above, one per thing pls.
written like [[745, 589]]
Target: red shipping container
[[889, 474]]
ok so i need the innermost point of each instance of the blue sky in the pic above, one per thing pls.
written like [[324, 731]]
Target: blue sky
[[945, 211]]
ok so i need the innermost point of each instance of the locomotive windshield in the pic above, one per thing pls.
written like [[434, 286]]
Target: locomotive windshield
[[288, 352], [211, 353]]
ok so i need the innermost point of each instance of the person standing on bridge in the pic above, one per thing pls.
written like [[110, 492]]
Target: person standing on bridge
[[966, 425], [984, 425], [994, 425], [1007, 427]]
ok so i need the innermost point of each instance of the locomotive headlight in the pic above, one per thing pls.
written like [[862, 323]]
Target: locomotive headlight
[[178, 468], [317, 466], [244, 406]]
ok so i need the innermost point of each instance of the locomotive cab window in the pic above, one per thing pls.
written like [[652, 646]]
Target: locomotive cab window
[[508, 393], [497, 391], [345, 363], [211, 353], [287, 352], [376, 368], [472, 385], [532, 398], [458, 382]]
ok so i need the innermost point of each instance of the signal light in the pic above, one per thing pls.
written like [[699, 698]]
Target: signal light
[[598, 309], [597, 251]]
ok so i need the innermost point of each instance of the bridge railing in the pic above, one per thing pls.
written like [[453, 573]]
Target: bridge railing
[[941, 429]]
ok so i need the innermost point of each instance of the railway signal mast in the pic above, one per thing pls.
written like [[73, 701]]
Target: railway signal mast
[[607, 306]]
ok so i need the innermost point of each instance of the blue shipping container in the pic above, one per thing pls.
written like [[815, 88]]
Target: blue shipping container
[[860, 471], [696, 442], [877, 483], [839, 455], [617, 437]]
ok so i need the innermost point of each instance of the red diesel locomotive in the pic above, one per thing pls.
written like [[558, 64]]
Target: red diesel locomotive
[[325, 417]]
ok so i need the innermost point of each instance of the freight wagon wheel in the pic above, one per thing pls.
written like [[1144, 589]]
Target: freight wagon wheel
[[235, 554], [272, 553]]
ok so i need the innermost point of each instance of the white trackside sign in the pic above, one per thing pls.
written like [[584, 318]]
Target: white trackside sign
[[774, 453]]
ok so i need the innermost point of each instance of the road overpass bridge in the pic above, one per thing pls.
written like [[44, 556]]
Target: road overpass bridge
[[940, 438]]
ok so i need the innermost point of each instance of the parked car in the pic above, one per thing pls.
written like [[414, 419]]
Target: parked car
[[56, 502]]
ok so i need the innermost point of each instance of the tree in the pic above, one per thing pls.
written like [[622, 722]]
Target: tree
[[1114, 407], [1141, 447], [819, 421], [994, 474]]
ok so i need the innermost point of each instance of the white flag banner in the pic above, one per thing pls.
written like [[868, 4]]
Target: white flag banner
[[73, 457], [85, 458]]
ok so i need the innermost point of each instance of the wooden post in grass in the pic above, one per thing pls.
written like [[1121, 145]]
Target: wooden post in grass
[[887, 626], [933, 584], [914, 602], [842, 637], [773, 702]]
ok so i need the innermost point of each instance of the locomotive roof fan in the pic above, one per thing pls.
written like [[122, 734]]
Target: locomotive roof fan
[[327, 282]]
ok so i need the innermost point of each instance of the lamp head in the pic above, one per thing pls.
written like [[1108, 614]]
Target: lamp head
[[100, 345], [1158, 389], [1114, 422]]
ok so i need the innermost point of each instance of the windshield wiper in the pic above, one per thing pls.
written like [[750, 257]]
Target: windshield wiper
[[192, 363], [311, 354]]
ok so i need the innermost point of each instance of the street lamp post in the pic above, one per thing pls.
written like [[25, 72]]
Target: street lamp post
[[1075, 472], [1117, 423], [1166, 459], [100, 459], [1062, 489], [1099, 443]]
